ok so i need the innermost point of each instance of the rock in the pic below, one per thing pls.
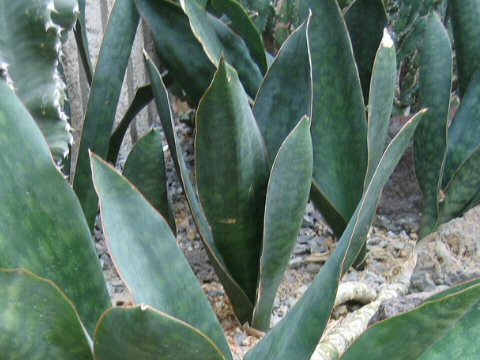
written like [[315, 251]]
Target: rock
[[449, 256]]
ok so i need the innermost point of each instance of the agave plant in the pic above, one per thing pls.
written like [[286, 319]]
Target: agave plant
[[447, 150]]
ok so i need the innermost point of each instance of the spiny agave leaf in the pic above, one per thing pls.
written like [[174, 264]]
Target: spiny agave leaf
[[339, 125], [232, 183], [38, 321], [464, 133], [382, 94], [287, 196], [218, 40], [365, 21], [82, 41], [103, 100], [430, 141], [142, 97], [145, 169], [42, 227], [65, 16], [286, 92], [30, 51], [144, 333], [242, 306], [462, 189], [297, 334], [466, 33], [147, 255], [178, 49], [445, 328], [244, 26]]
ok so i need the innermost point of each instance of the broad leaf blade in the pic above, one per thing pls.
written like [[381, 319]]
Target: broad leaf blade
[[466, 33], [339, 125], [103, 100], [242, 306], [244, 26], [365, 21], [30, 46], [464, 133], [287, 195], [145, 169], [382, 94], [142, 97], [445, 328], [42, 227], [37, 320], [145, 333], [147, 255], [430, 141], [286, 92], [232, 182], [298, 333], [218, 40], [178, 49]]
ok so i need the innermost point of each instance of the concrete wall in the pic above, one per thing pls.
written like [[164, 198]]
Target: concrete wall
[[97, 13]]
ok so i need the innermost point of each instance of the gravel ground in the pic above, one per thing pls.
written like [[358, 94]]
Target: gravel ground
[[388, 250]]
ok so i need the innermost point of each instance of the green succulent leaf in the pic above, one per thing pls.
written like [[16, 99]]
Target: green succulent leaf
[[286, 92], [244, 26], [446, 327], [242, 306], [30, 44], [65, 16], [382, 94], [464, 133], [462, 189], [142, 98], [297, 334], [37, 320], [287, 195], [144, 333], [42, 228], [103, 100], [178, 49], [365, 21], [430, 141], [218, 41], [145, 169], [147, 255], [81, 39], [466, 33], [339, 125], [232, 183], [260, 11]]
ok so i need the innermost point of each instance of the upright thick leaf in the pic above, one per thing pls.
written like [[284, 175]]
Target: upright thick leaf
[[244, 26], [218, 40], [298, 333], [287, 196], [178, 49], [37, 321], [382, 94], [145, 333], [30, 45], [242, 306], [339, 125], [147, 255], [82, 41], [232, 173], [445, 328], [464, 133], [365, 20], [145, 169], [462, 189], [103, 100], [466, 33], [42, 228], [286, 92], [430, 141]]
